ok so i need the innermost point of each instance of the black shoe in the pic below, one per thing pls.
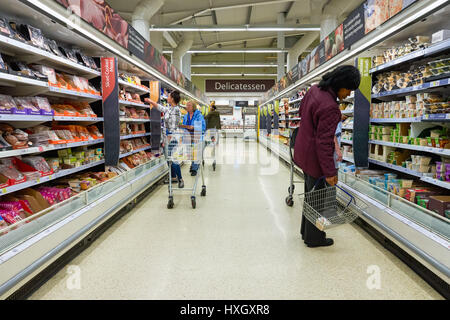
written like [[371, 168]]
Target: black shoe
[[181, 184], [328, 242], [193, 173], [174, 180]]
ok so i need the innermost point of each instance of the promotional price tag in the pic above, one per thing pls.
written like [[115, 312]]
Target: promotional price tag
[[4, 190], [435, 84]]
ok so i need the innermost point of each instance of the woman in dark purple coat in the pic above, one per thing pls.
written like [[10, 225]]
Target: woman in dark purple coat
[[314, 144]]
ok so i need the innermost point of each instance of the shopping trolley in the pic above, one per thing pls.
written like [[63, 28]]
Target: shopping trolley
[[329, 206], [212, 140], [291, 188], [183, 146]]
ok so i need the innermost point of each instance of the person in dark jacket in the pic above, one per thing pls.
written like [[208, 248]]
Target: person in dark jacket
[[213, 119], [314, 144]]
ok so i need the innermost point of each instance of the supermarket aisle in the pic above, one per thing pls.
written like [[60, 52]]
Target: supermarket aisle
[[242, 242]]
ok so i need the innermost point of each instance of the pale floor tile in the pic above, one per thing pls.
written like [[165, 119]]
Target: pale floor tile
[[242, 242]]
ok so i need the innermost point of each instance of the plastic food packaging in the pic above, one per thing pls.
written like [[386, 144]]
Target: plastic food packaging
[[11, 172], [7, 104], [26, 103], [47, 71], [37, 163], [36, 37], [4, 27]]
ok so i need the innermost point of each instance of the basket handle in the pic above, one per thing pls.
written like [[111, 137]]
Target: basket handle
[[352, 198]]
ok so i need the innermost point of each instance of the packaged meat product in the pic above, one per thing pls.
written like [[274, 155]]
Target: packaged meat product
[[7, 103], [51, 44], [92, 63], [94, 132], [15, 32], [32, 175], [3, 66], [47, 71], [11, 172], [36, 37], [25, 103], [4, 27], [37, 163]]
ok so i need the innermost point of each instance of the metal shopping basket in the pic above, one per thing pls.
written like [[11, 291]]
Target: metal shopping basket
[[212, 140], [184, 147], [329, 207]]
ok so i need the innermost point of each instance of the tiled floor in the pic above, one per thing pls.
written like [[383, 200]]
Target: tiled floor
[[242, 242]]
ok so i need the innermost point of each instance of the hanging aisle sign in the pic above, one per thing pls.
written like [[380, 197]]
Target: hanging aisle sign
[[110, 97], [238, 85]]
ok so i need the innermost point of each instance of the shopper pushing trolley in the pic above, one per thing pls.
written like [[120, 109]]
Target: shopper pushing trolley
[[314, 151]]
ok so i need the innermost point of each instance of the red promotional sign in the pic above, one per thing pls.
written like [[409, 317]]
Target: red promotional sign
[[108, 77]]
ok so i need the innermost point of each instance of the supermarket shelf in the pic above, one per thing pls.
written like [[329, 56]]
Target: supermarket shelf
[[346, 141], [348, 128], [437, 182], [348, 159], [83, 217], [409, 90], [397, 168], [54, 176], [133, 104], [130, 136], [295, 119], [396, 120], [434, 49], [294, 101], [12, 80], [294, 111], [438, 151], [423, 178], [347, 112], [436, 117], [78, 119], [60, 92], [35, 54], [24, 118], [134, 120], [133, 87], [123, 155]]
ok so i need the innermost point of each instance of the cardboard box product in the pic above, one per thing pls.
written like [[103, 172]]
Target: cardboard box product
[[439, 204], [43, 204]]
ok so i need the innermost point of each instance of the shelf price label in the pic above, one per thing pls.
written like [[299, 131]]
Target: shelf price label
[[4, 190], [435, 84]]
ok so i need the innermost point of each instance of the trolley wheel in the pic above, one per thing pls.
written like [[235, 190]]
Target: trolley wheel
[[289, 201], [214, 166], [170, 203], [203, 193], [194, 204], [289, 189]]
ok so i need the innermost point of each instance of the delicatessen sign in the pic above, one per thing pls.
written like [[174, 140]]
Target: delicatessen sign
[[238, 85]]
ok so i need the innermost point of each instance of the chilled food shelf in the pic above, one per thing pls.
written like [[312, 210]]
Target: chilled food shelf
[[396, 120], [397, 168], [410, 57], [438, 151], [348, 128], [25, 118], [78, 119], [14, 80], [346, 141], [133, 87], [32, 53], [56, 175], [409, 90], [133, 104], [437, 117], [123, 155], [134, 120], [130, 136], [420, 175], [294, 101], [348, 159], [61, 92], [295, 119], [347, 112], [294, 111], [437, 182]]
